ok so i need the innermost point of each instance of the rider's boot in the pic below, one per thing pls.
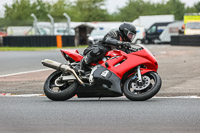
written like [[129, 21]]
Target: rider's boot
[[81, 68]]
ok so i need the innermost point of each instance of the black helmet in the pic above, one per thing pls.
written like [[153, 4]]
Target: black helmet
[[128, 31]]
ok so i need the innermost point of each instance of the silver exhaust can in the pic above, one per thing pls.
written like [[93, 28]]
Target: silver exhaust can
[[62, 67]]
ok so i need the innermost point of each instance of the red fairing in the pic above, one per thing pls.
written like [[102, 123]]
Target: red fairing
[[74, 54], [114, 53], [130, 61]]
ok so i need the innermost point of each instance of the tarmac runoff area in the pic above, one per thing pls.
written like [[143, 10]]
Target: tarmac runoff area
[[178, 68]]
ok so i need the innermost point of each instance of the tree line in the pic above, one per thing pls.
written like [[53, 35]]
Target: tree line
[[19, 13]]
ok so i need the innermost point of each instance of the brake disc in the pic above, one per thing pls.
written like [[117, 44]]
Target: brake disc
[[145, 83]]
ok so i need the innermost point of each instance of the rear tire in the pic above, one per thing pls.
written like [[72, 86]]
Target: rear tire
[[144, 94], [66, 91]]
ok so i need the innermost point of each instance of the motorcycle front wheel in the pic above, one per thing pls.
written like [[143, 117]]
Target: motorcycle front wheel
[[59, 91], [150, 86]]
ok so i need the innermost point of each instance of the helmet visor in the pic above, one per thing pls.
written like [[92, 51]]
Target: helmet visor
[[131, 36]]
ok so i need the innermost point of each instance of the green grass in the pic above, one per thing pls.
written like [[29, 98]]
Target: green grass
[[36, 48]]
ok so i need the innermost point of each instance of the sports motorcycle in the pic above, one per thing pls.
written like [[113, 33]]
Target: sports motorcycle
[[132, 73]]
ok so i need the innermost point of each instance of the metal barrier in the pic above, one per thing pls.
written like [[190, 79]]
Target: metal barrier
[[186, 40], [68, 41], [38, 41]]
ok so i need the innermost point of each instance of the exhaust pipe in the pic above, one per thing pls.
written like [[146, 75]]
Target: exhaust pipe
[[62, 67]]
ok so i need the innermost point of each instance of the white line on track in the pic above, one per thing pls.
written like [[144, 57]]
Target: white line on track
[[184, 97], [26, 72], [20, 95], [38, 95]]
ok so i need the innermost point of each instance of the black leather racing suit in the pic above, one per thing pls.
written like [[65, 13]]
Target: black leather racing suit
[[92, 54]]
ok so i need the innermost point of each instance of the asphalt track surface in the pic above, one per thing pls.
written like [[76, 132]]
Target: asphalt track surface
[[110, 115], [21, 61], [178, 67]]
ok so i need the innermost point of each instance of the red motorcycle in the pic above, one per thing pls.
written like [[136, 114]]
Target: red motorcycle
[[132, 73]]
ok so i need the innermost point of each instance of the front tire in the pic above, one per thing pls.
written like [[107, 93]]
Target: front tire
[[62, 92], [134, 94]]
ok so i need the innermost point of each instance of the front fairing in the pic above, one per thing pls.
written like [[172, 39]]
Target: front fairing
[[114, 53], [123, 63], [144, 52]]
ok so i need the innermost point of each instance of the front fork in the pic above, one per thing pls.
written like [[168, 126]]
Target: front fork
[[139, 81]]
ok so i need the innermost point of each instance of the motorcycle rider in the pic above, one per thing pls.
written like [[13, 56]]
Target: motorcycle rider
[[115, 39]]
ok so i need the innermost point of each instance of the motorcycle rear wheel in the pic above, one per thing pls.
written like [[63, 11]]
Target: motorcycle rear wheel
[[62, 92], [146, 93]]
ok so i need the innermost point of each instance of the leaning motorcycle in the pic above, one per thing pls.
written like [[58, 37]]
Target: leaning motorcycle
[[132, 73]]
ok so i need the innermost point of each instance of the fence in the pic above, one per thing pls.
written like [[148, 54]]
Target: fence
[[186, 40], [38, 41]]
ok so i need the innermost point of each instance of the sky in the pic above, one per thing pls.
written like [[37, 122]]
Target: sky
[[111, 5]]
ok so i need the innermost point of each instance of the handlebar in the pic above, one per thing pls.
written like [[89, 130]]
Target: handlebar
[[134, 48]]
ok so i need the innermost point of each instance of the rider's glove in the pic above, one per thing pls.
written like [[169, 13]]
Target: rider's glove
[[126, 44]]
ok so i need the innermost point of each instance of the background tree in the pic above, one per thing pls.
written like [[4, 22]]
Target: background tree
[[40, 9], [193, 9], [60, 7], [18, 12], [197, 6], [177, 8], [89, 10], [135, 8]]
